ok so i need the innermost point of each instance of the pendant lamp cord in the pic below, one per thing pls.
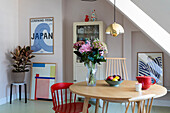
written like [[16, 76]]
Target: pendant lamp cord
[[114, 10]]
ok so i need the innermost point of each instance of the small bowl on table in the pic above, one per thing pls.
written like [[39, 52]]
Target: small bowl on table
[[113, 83]]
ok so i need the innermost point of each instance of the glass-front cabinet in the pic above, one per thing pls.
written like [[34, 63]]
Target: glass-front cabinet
[[87, 32], [84, 31]]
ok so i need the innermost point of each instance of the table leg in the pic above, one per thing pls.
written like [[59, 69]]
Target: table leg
[[97, 106], [85, 105]]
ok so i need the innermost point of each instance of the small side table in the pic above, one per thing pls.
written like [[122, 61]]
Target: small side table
[[19, 84]]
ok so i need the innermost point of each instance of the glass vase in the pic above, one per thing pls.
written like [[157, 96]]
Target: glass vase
[[91, 75]]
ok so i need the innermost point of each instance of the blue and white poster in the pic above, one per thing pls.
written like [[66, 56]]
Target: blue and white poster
[[42, 36], [151, 64]]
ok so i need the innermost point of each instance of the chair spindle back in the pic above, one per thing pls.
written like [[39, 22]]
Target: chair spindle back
[[60, 93], [116, 66], [141, 103]]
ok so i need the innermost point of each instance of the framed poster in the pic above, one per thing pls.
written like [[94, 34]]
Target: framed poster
[[151, 64], [42, 35], [42, 78]]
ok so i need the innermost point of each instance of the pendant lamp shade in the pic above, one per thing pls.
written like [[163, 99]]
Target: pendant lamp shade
[[115, 28]]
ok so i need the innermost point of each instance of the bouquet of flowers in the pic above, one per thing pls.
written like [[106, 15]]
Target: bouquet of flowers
[[91, 53]]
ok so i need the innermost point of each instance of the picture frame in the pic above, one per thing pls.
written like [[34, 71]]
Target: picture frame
[[42, 35], [43, 76], [151, 64]]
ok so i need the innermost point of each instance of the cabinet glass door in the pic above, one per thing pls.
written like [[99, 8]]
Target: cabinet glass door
[[86, 32]]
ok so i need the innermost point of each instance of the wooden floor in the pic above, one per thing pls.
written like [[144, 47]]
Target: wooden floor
[[46, 107]]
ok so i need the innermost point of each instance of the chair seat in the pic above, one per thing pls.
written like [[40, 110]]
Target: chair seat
[[76, 107]]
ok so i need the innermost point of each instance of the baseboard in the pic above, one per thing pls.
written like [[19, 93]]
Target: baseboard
[[14, 97], [165, 103]]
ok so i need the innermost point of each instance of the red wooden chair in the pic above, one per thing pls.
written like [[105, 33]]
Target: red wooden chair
[[60, 95]]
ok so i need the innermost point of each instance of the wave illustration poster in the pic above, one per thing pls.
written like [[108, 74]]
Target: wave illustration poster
[[42, 36]]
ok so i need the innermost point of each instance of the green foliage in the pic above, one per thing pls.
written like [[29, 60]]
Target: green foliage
[[22, 58], [94, 56], [90, 51]]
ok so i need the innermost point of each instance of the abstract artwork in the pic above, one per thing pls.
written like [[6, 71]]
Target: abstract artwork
[[151, 64], [41, 35], [42, 78]]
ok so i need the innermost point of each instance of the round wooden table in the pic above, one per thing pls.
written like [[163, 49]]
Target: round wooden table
[[102, 90]]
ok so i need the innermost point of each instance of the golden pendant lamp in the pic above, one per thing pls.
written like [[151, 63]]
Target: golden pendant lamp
[[115, 28]]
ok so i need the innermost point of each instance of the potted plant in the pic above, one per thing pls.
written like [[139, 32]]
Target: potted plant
[[21, 57]]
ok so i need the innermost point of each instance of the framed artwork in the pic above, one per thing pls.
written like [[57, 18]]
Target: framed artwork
[[151, 64], [42, 35], [42, 78]]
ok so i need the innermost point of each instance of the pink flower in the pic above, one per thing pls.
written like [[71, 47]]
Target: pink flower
[[101, 53], [85, 47], [78, 44]]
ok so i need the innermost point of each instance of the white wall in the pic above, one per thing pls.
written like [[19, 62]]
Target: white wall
[[75, 12], [9, 40], [43, 8], [158, 10], [127, 44]]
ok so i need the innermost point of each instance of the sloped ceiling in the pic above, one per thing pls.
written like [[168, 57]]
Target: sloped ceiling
[[145, 23]]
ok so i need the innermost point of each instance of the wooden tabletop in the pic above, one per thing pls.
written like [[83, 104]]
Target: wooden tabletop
[[125, 91]]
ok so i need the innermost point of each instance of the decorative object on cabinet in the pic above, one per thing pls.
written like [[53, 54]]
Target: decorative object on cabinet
[[151, 64], [91, 53], [87, 18], [42, 35], [42, 77], [115, 28], [92, 30], [93, 15], [22, 59]]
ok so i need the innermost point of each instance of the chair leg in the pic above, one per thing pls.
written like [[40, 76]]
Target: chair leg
[[25, 93], [107, 104], [19, 92], [11, 94], [103, 106]]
